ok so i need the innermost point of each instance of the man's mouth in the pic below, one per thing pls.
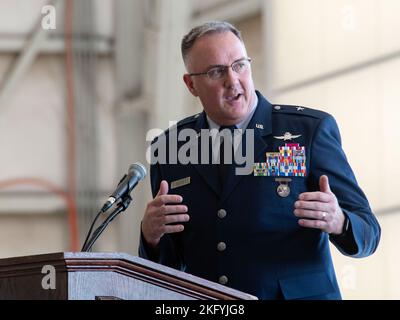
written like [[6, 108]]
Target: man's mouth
[[233, 97]]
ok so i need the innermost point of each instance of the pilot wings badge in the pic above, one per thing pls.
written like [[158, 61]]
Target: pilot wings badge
[[287, 136]]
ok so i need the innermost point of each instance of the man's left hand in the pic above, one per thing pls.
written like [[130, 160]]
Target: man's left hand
[[320, 209]]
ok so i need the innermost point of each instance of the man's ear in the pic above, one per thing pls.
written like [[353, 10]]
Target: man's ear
[[189, 84]]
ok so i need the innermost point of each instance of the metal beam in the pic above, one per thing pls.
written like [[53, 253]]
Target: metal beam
[[129, 42], [54, 43], [331, 75], [25, 59], [163, 86]]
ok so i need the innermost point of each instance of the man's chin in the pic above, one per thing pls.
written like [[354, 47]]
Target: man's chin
[[235, 117]]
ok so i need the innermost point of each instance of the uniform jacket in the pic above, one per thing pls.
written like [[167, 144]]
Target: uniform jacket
[[266, 252]]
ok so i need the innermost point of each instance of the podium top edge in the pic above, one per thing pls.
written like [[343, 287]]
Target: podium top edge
[[84, 261]]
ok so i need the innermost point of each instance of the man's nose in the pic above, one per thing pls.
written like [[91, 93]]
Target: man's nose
[[231, 78]]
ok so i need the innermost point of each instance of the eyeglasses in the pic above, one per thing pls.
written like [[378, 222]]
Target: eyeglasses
[[215, 73]]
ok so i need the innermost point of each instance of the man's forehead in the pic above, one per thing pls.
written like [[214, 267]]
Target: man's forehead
[[217, 39], [217, 48]]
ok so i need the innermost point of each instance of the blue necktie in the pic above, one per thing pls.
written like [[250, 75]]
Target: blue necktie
[[224, 167]]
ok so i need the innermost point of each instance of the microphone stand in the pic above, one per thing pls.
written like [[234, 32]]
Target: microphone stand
[[122, 206]]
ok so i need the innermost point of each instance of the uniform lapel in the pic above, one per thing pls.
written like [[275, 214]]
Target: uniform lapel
[[208, 172], [262, 125]]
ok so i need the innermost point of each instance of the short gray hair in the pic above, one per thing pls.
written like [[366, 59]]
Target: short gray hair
[[203, 29]]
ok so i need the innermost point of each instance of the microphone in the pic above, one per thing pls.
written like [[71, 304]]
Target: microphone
[[136, 173]]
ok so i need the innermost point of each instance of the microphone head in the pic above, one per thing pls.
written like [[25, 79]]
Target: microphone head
[[139, 169]]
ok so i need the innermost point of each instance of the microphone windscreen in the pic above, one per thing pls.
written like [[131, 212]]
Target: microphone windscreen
[[139, 168]]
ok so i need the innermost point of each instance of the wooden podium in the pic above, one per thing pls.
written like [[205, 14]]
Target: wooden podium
[[103, 276]]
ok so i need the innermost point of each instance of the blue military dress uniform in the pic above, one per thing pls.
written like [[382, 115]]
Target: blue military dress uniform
[[244, 234]]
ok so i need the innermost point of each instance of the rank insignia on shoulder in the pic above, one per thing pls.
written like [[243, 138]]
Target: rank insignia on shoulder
[[290, 161]]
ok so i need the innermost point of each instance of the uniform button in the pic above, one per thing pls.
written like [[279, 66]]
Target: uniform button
[[221, 246], [223, 280], [221, 213], [277, 107]]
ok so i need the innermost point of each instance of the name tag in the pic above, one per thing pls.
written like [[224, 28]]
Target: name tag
[[180, 183]]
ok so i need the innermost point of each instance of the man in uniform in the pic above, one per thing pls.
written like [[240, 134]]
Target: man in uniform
[[266, 233]]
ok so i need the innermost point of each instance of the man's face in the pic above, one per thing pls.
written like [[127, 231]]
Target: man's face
[[227, 100]]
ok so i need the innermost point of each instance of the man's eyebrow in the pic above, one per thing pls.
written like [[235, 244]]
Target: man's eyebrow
[[242, 58], [223, 65], [215, 66]]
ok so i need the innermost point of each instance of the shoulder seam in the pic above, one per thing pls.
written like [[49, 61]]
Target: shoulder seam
[[301, 111], [182, 122]]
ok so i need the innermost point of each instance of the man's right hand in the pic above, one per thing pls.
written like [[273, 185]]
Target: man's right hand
[[161, 211]]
